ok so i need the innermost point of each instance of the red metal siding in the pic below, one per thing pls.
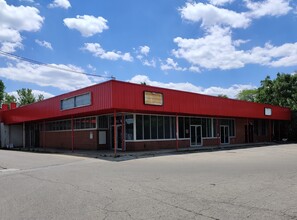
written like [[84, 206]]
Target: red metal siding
[[128, 96], [50, 108], [123, 96]]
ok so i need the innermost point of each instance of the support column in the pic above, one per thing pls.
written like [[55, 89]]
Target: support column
[[218, 131], [279, 131], [72, 134], [24, 135], [176, 129], [248, 130], [123, 132], [114, 132], [43, 136]]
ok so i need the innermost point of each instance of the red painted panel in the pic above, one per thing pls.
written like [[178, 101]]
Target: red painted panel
[[50, 108], [128, 97]]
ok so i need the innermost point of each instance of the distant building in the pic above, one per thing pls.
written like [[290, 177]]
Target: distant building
[[134, 117]]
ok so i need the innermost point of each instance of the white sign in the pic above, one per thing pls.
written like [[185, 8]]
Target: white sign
[[268, 111]]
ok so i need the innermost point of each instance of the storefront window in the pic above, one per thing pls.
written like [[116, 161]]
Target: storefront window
[[129, 127]]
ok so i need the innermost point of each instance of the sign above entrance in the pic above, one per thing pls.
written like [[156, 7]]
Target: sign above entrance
[[153, 98]]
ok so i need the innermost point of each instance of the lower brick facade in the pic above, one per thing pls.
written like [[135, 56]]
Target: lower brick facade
[[89, 139]]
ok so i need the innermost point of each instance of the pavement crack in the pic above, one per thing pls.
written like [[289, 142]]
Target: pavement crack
[[177, 206]]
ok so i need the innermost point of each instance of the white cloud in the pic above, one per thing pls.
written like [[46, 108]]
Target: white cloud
[[220, 2], [45, 76], [14, 20], [216, 50], [21, 18], [44, 44], [237, 43], [171, 65], [151, 63], [29, 1], [144, 50], [91, 67], [98, 51], [142, 54], [211, 15], [87, 25], [60, 4], [35, 93], [268, 7], [231, 91], [194, 69]]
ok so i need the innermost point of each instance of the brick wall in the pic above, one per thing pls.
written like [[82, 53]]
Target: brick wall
[[63, 140], [154, 145]]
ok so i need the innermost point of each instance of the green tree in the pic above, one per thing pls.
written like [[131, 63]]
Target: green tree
[[2, 88], [25, 96], [281, 91], [40, 97], [248, 95], [9, 98], [223, 96]]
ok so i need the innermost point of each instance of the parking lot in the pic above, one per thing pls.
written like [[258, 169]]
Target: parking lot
[[251, 183]]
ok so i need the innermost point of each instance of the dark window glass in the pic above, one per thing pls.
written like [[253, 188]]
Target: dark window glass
[[147, 126], [181, 126], [256, 127], [232, 127], [264, 128], [187, 127], [167, 127], [76, 101], [154, 127], [139, 131], [129, 127], [103, 122], [204, 127], [83, 100], [215, 124], [173, 127], [195, 121], [67, 103], [160, 127]]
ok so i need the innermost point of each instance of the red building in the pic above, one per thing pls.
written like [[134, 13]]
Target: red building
[[139, 117]]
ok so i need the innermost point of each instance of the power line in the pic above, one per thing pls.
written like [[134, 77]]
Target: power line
[[50, 65]]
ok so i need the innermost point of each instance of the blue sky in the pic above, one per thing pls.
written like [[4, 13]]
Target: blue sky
[[211, 47]]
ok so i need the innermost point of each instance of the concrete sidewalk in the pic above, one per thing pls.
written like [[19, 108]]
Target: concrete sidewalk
[[124, 155]]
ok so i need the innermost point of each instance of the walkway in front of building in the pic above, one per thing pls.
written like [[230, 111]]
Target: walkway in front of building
[[122, 155]]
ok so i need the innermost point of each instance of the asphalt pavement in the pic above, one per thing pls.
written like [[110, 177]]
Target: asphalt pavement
[[250, 183]]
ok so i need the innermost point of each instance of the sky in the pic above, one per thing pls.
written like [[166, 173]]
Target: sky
[[211, 47]]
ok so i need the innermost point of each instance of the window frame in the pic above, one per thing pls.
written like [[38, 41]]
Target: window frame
[[74, 101]]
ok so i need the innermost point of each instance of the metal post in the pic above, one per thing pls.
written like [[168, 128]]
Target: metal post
[[44, 146], [248, 130], [123, 131], [24, 135], [176, 129], [114, 132], [72, 134], [217, 132]]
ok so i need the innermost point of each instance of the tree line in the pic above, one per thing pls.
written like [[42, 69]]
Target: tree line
[[25, 96], [281, 91]]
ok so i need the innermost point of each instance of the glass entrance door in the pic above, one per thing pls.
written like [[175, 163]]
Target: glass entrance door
[[196, 135], [224, 134]]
